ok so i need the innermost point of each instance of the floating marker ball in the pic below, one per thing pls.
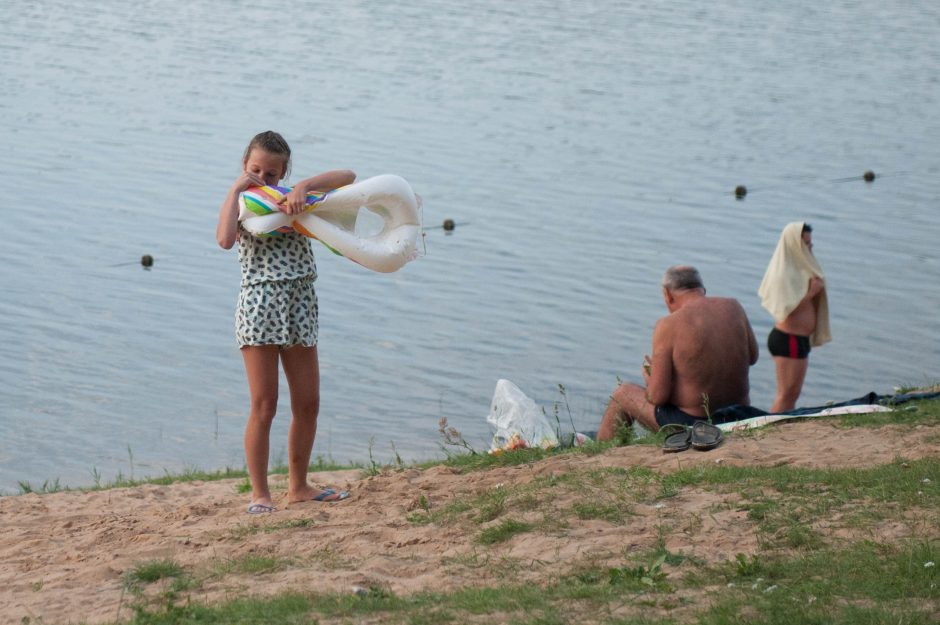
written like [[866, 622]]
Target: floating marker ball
[[740, 191], [449, 224], [868, 176], [146, 260]]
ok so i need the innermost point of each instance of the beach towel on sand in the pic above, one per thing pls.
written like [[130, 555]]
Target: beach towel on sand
[[786, 282]]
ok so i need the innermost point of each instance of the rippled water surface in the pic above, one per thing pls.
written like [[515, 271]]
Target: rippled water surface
[[581, 148]]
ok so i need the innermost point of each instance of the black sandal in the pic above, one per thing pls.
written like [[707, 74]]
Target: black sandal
[[678, 437], [705, 436]]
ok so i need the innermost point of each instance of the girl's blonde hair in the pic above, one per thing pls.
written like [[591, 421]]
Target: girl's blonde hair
[[272, 142]]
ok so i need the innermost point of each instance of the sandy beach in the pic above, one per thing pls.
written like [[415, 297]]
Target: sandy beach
[[65, 554]]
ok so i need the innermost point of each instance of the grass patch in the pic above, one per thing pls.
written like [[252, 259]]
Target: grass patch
[[140, 580], [923, 412], [864, 582], [190, 474], [152, 571], [503, 531], [786, 504], [251, 565]]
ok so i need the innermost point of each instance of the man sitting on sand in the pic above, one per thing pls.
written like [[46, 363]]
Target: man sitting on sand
[[702, 352]]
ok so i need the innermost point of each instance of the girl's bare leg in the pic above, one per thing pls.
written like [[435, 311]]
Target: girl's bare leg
[[261, 370], [302, 370]]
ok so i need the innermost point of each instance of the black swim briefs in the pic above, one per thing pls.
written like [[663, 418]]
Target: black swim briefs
[[668, 413], [787, 345]]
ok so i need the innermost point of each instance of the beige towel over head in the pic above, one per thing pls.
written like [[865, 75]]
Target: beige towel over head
[[786, 281]]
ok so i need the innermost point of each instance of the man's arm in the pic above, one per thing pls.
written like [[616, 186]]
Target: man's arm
[[752, 348], [659, 384]]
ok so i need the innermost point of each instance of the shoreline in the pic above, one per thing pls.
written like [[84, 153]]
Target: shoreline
[[320, 464]]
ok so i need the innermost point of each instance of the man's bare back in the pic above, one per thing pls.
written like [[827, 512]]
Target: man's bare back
[[703, 350]]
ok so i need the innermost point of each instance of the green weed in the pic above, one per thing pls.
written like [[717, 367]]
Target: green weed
[[154, 570], [503, 531], [652, 576], [251, 565]]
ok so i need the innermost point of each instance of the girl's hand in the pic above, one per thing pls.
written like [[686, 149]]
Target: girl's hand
[[294, 202], [226, 232], [246, 181]]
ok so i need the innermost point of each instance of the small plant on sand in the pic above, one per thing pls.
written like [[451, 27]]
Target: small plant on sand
[[152, 571], [251, 565], [244, 486], [748, 566], [556, 411], [130, 457], [624, 435], [47, 487], [399, 463], [503, 532], [422, 516], [706, 407], [374, 468], [652, 576], [453, 437]]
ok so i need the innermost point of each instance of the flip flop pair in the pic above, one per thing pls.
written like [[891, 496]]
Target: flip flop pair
[[702, 436], [327, 494]]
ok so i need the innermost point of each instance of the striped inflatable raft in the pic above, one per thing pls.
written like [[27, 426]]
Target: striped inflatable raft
[[331, 219]]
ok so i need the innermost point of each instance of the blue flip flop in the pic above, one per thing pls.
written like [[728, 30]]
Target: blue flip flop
[[260, 508], [329, 492]]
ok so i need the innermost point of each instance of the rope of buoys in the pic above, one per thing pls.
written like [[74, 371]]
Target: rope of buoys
[[740, 191]]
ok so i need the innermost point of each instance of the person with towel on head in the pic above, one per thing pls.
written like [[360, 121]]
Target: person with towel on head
[[794, 292]]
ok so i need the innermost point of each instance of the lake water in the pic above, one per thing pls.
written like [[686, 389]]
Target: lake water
[[581, 147]]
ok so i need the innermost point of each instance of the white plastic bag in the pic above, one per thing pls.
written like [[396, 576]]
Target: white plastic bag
[[518, 420]]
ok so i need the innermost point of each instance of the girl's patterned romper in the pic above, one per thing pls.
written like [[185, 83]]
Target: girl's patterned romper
[[277, 304]]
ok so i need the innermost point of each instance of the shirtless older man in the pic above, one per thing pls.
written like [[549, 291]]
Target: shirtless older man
[[702, 352]]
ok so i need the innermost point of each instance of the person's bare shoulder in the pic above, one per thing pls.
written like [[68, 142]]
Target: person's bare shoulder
[[728, 303], [663, 323], [665, 330]]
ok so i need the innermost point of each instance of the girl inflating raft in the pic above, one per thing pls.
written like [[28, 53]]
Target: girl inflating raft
[[331, 218], [276, 315]]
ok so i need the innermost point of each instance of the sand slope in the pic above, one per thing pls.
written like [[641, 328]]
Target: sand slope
[[63, 555]]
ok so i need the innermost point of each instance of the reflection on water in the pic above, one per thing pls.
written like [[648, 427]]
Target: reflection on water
[[581, 149]]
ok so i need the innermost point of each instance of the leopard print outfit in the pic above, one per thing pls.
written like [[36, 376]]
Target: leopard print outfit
[[277, 304]]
